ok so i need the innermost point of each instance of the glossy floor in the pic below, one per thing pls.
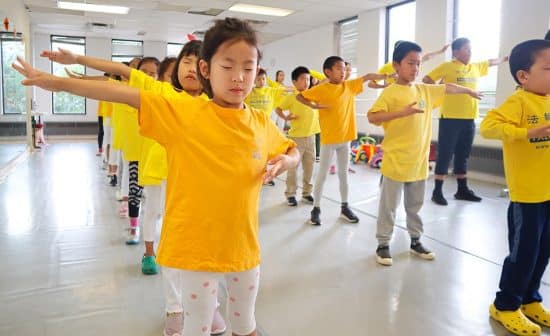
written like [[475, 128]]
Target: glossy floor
[[65, 269]]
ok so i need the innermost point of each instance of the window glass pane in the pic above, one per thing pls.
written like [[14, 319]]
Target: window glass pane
[[401, 25], [348, 43], [126, 50], [13, 93], [63, 102], [479, 21], [173, 49]]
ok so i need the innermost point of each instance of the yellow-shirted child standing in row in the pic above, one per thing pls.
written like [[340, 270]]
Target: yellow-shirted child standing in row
[[335, 100], [522, 122], [205, 246], [404, 110], [304, 124]]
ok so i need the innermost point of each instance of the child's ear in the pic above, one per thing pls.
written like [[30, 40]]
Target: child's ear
[[522, 76], [204, 69]]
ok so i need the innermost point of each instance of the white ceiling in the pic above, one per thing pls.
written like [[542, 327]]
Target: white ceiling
[[169, 20]]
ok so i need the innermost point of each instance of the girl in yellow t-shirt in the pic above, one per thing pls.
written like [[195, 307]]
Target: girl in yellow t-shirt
[[202, 245]]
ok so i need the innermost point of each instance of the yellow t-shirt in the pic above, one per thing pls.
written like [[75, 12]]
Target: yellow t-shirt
[[131, 140], [265, 99], [407, 140], [319, 75], [153, 166], [387, 69], [118, 111], [460, 106], [338, 120], [307, 123], [214, 180], [526, 161]]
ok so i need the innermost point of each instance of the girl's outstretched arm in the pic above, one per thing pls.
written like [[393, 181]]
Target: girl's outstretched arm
[[105, 91], [64, 56]]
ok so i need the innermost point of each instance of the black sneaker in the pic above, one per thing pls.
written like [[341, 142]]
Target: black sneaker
[[467, 195], [348, 215], [317, 159], [438, 198], [383, 256], [291, 201], [315, 216], [271, 183], [418, 249], [308, 199], [113, 182]]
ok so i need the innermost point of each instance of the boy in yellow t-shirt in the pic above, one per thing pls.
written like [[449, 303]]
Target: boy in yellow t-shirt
[[335, 100], [404, 110], [304, 124], [456, 125], [522, 122]]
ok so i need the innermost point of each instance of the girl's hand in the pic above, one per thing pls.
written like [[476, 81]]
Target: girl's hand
[[63, 56], [410, 109], [36, 77], [291, 117], [279, 165]]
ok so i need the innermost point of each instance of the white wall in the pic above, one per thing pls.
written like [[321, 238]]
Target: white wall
[[301, 49]]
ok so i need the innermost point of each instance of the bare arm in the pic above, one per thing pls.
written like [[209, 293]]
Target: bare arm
[[497, 61], [308, 102], [78, 75], [111, 92], [66, 57], [432, 54], [451, 88], [376, 85], [282, 163], [378, 117], [374, 77]]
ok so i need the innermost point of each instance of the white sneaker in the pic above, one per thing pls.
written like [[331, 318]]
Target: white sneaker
[[118, 195]]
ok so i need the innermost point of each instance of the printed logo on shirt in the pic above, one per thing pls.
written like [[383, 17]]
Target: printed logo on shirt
[[256, 155], [547, 116], [532, 119], [421, 104], [466, 80]]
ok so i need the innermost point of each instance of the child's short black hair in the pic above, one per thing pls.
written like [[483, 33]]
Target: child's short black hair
[[459, 43], [228, 29], [523, 55], [191, 48], [330, 61], [261, 71], [547, 36], [296, 73], [148, 60], [402, 49]]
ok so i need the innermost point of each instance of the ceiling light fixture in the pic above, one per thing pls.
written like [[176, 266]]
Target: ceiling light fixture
[[87, 7], [261, 10]]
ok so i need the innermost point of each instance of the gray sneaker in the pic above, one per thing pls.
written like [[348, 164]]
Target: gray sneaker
[[173, 325], [418, 249], [383, 256]]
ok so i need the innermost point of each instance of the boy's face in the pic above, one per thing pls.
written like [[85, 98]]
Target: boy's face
[[464, 54], [302, 82], [261, 81], [537, 79], [407, 70], [336, 73], [187, 73], [348, 71]]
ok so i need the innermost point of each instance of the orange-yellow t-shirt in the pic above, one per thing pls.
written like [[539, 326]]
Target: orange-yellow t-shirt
[[216, 159], [338, 120]]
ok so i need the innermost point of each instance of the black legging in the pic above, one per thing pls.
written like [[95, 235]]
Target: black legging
[[100, 132], [134, 190], [456, 137]]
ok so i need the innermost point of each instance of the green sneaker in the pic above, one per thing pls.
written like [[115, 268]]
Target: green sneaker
[[149, 265]]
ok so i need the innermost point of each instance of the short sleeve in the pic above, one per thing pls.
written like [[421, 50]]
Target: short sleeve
[[483, 68], [381, 104], [356, 85], [436, 92], [159, 118], [314, 94], [438, 73]]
